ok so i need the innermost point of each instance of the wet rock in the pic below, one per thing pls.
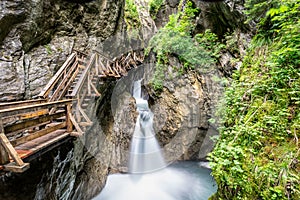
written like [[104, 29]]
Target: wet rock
[[36, 36], [11, 13]]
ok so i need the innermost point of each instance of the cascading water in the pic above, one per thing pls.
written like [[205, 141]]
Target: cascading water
[[145, 154], [149, 178]]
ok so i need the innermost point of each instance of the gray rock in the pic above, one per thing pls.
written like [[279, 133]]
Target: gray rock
[[36, 37]]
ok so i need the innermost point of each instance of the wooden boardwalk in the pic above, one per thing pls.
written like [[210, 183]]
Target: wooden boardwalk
[[35, 126]]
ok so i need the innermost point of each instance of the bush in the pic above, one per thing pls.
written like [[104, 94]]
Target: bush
[[175, 39], [257, 154]]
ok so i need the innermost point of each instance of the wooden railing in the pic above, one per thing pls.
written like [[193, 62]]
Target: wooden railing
[[73, 86], [15, 104], [62, 80], [84, 88], [25, 123]]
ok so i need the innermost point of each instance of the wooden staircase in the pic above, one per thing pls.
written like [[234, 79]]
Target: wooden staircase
[[62, 110]]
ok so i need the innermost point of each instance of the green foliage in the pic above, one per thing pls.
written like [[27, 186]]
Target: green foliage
[[175, 39], [48, 49], [257, 155], [154, 6], [131, 17], [209, 41]]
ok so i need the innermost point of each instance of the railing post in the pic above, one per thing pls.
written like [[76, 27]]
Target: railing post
[[8, 147], [96, 64], [4, 157], [89, 83], [68, 119]]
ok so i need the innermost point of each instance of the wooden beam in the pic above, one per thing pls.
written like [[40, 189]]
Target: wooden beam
[[68, 120], [76, 125], [32, 122], [8, 105], [62, 85], [96, 65], [38, 134], [71, 80], [83, 114], [10, 149], [89, 81], [4, 159], [95, 90], [12, 167], [25, 109], [45, 92], [83, 77]]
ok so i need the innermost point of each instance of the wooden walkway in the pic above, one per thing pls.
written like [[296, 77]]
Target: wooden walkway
[[33, 126]]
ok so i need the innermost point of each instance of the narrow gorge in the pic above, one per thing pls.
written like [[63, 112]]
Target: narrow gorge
[[214, 73]]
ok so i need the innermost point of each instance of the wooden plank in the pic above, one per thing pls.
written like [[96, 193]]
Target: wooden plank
[[63, 82], [23, 116], [102, 55], [13, 167], [83, 114], [89, 83], [38, 134], [46, 90], [86, 123], [68, 120], [96, 64], [4, 159], [42, 142], [103, 68], [80, 52], [32, 122], [95, 90], [76, 125], [83, 77], [8, 105], [25, 109], [71, 82], [10, 149], [17, 134]]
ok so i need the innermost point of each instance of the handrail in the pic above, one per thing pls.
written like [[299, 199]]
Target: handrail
[[8, 105], [101, 54], [64, 84], [80, 52], [24, 109], [45, 92], [83, 77], [12, 131]]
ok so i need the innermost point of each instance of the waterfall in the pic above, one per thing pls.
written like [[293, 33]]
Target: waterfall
[[145, 153], [179, 183]]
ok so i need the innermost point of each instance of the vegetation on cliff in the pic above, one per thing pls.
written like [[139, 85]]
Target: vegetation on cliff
[[154, 6], [198, 52], [257, 154], [131, 17]]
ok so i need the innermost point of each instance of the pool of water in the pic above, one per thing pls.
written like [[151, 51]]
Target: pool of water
[[180, 181]]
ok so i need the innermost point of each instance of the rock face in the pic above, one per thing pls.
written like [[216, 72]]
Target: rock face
[[37, 36], [181, 113]]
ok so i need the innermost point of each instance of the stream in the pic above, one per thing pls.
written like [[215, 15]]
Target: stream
[[180, 181]]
